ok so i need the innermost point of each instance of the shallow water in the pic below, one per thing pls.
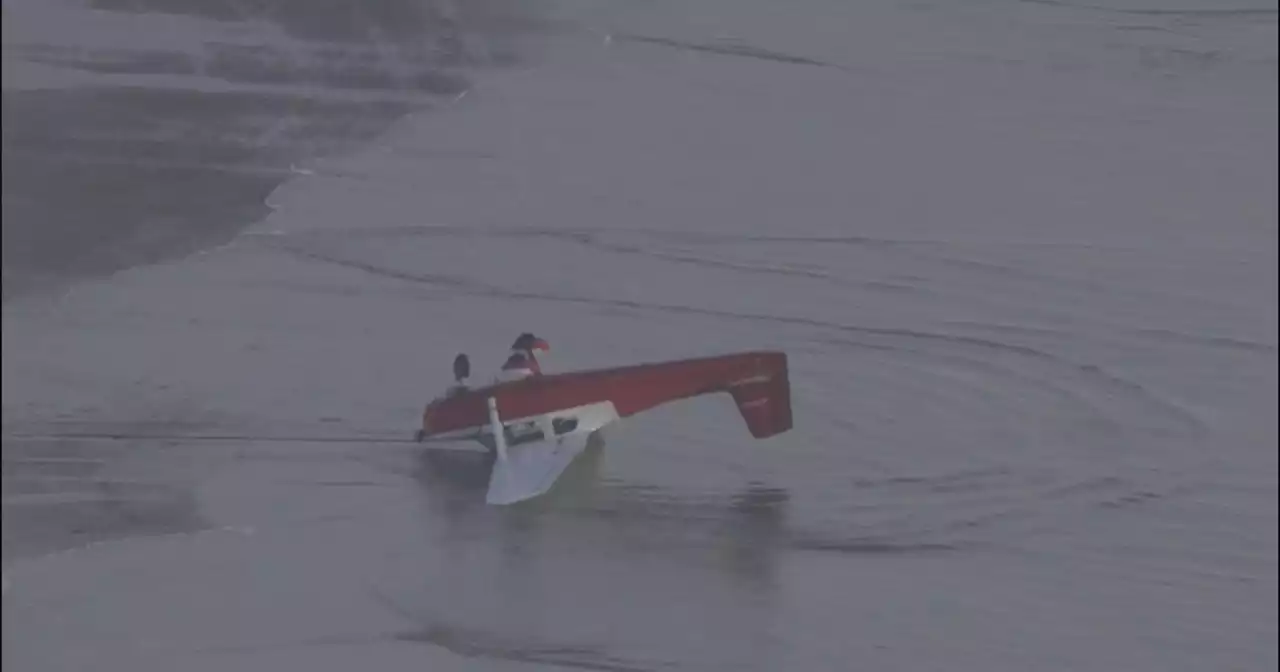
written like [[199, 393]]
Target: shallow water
[[1022, 257]]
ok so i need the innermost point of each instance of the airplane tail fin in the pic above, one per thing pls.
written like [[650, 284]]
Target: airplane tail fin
[[764, 400]]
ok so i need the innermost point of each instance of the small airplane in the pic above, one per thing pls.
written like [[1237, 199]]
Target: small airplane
[[536, 424]]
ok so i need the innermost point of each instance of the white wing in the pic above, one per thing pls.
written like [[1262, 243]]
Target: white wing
[[530, 469]]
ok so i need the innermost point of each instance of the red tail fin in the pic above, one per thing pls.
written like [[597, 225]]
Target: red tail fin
[[765, 400]]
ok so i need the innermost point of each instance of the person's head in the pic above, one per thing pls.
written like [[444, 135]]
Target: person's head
[[461, 368], [527, 342]]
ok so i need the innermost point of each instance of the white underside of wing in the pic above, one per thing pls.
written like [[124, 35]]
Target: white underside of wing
[[525, 470], [531, 469]]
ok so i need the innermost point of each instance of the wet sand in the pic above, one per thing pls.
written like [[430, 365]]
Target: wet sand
[[170, 143]]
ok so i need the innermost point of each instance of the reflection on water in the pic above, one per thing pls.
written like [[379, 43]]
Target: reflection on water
[[461, 477], [738, 532]]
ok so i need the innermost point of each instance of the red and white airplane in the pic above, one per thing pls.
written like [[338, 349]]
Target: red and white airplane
[[537, 423]]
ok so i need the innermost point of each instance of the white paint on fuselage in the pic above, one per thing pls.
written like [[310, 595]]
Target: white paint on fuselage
[[589, 418], [564, 422]]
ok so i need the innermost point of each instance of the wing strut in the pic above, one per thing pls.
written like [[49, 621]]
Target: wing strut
[[495, 426]]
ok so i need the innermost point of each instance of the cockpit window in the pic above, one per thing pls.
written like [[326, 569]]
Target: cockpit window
[[523, 435], [564, 425]]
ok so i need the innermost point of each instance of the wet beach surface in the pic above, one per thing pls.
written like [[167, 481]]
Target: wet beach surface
[[136, 133]]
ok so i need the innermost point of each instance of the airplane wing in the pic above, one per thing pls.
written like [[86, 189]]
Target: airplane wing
[[530, 469]]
